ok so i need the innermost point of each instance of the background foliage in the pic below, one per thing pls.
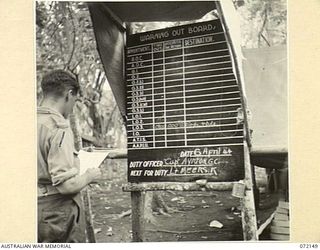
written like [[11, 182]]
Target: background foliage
[[65, 40]]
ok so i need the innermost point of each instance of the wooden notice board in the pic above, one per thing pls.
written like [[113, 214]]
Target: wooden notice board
[[183, 102]]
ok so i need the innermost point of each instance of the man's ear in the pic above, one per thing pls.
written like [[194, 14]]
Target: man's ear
[[69, 95]]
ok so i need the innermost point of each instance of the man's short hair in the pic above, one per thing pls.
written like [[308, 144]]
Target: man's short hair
[[57, 82]]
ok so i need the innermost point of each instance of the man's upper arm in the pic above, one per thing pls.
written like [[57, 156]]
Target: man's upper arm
[[61, 156]]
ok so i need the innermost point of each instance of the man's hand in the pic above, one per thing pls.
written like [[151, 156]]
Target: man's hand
[[94, 174]]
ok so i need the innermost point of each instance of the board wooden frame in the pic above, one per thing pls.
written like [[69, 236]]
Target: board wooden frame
[[248, 213]]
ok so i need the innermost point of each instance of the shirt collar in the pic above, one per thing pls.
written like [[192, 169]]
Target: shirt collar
[[47, 110]]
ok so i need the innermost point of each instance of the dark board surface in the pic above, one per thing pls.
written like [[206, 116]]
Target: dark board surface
[[182, 106]]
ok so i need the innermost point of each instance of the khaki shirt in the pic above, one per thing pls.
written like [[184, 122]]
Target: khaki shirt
[[57, 161]]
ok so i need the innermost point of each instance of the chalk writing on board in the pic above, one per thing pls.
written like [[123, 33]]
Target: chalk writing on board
[[197, 161], [182, 105]]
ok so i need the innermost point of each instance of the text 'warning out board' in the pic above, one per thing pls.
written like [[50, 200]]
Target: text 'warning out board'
[[182, 105]]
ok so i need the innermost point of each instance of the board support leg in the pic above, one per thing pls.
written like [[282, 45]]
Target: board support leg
[[88, 216], [248, 212], [137, 205], [256, 191]]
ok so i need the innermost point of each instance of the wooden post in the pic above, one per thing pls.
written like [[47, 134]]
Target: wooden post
[[237, 71], [256, 191], [88, 216], [137, 206], [249, 219]]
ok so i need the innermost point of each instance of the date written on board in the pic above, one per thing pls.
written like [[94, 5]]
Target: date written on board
[[189, 162], [197, 154]]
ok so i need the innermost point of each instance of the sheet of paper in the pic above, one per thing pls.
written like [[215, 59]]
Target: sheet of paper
[[91, 159]]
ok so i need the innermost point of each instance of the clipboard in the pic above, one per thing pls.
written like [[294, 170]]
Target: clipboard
[[91, 159]]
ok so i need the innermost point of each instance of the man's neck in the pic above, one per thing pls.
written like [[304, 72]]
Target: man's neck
[[52, 104]]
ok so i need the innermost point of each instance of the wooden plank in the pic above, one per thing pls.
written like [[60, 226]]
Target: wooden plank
[[118, 154], [281, 217], [280, 223], [268, 150], [137, 206], [283, 204], [281, 210], [283, 237], [177, 186], [249, 219], [280, 230]]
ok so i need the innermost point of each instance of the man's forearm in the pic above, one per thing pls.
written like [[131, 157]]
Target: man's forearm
[[75, 184]]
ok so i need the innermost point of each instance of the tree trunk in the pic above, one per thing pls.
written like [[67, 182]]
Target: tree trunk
[[154, 202], [76, 131], [148, 211]]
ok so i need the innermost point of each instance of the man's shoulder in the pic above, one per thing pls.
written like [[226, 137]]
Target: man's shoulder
[[59, 122], [51, 119]]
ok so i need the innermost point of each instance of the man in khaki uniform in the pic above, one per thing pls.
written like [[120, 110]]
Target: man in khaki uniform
[[60, 210]]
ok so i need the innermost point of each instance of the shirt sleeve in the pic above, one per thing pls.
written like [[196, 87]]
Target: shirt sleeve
[[61, 163]]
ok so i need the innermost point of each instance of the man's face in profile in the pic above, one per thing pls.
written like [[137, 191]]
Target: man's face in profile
[[71, 99]]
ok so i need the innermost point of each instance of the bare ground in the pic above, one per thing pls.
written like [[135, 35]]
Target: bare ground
[[194, 212]]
